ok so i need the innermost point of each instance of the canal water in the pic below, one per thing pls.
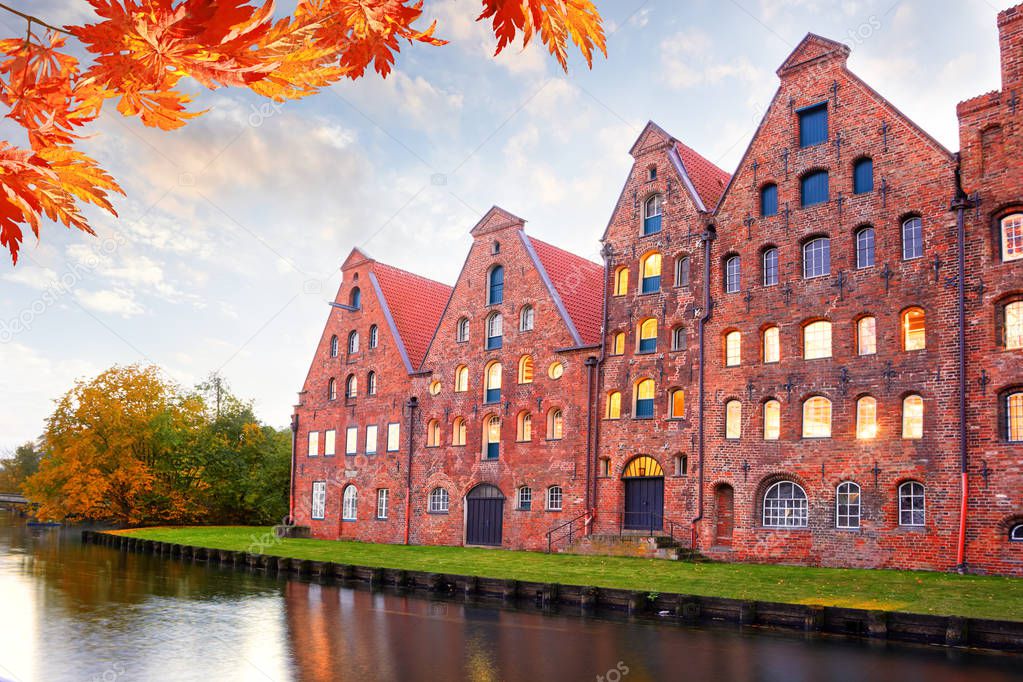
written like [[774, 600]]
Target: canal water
[[70, 611]]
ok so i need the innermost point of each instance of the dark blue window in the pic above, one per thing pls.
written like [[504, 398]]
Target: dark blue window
[[813, 125], [769, 200], [648, 345], [495, 286], [493, 395], [356, 299], [495, 331], [814, 188], [645, 408], [652, 215], [863, 176], [493, 450], [651, 284]]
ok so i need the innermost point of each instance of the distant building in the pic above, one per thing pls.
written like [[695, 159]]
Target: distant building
[[777, 365]]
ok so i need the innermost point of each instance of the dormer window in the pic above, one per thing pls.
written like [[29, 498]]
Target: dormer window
[[652, 215], [813, 125], [651, 173]]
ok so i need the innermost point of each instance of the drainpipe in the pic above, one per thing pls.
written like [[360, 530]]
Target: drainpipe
[[412, 404], [294, 443], [960, 203], [605, 253], [707, 237], [591, 368]]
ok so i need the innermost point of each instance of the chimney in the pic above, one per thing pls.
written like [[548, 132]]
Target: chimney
[[1010, 39]]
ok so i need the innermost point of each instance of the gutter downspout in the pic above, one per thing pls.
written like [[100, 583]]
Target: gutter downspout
[[707, 237], [591, 367], [605, 253], [294, 443], [412, 404], [960, 203]]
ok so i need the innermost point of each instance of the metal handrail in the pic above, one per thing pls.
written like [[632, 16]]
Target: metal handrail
[[656, 525], [569, 524]]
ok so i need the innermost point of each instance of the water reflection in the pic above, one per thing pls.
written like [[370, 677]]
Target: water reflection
[[74, 612]]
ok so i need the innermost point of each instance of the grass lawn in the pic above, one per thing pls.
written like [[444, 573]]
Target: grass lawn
[[912, 591]]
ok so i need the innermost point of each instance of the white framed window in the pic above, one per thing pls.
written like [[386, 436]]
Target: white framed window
[[817, 417], [817, 258], [770, 267], [353, 343], [554, 496], [866, 336], [555, 424], [1012, 322], [314, 444], [393, 436], [525, 498], [913, 417], [526, 318], [817, 340], [351, 440], [374, 336], [1012, 237], [333, 346], [912, 504], [332, 389], [352, 386], [371, 439], [382, 499], [495, 333], [524, 427], [462, 330], [733, 349], [318, 503], [866, 418], [682, 272], [847, 505], [440, 501], [458, 431], [678, 338], [371, 383], [349, 504], [912, 239], [733, 277], [1016, 533], [785, 506], [864, 248], [461, 379], [329, 446]]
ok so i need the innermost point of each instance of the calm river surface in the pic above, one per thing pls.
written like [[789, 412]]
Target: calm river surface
[[80, 612]]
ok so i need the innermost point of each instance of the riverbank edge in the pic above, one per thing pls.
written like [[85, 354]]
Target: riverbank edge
[[676, 608]]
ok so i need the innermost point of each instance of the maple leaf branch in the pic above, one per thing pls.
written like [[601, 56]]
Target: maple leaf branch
[[33, 20]]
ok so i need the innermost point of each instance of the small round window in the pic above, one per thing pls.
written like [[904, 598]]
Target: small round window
[[556, 370], [434, 387]]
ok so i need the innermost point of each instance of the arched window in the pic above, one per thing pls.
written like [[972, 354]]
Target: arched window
[[462, 330], [1012, 237], [554, 496], [650, 273], [618, 344], [353, 342], [733, 419], [494, 331], [648, 335], [458, 431], [351, 386], [813, 189], [435, 387], [645, 389], [817, 417], [733, 280], [772, 344], [492, 437], [912, 504], [863, 176], [769, 200], [374, 336], [817, 340], [614, 405], [495, 285], [350, 503], [333, 346], [817, 258], [526, 369], [733, 349], [785, 506], [682, 271], [676, 403], [495, 248], [913, 417], [440, 501], [433, 434], [847, 505], [1013, 406], [651, 173], [678, 338], [912, 239], [772, 420], [371, 383], [864, 247], [770, 267], [652, 215], [866, 336], [621, 280], [355, 298], [556, 371], [866, 418], [492, 381], [524, 427], [681, 464], [525, 498], [1016, 533], [332, 389], [1012, 325], [461, 379], [914, 329], [555, 424], [526, 318]]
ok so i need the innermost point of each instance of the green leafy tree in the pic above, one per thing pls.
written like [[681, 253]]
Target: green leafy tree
[[16, 469]]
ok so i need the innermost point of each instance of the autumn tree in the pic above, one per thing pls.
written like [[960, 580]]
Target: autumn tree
[[141, 50]]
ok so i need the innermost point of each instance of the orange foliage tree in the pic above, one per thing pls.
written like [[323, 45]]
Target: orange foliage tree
[[142, 49]]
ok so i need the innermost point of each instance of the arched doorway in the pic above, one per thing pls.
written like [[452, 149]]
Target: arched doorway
[[644, 494], [484, 511], [724, 502]]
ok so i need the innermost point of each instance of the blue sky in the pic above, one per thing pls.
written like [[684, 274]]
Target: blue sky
[[229, 241]]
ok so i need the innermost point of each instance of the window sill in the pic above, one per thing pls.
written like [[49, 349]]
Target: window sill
[[554, 511], [371, 454], [553, 440], [802, 529], [351, 454], [644, 418], [379, 518], [438, 513], [522, 509]]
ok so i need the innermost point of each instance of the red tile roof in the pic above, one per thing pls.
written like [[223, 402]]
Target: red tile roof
[[416, 304], [580, 284], [709, 180]]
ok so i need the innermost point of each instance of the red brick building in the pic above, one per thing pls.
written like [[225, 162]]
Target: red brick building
[[817, 359]]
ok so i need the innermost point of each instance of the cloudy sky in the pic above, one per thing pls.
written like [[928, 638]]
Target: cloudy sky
[[228, 243]]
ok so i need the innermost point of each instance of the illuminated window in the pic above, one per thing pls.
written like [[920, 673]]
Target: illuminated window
[[733, 281], [555, 424], [785, 506], [733, 419], [526, 316], [524, 427], [677, 403], [817, 258], [652, 215], [678, 338], [495, 333], [435, 387], [554, 498], [351, 386], [733, 349], [1012, 237], [492, 379], [772, 344], [912, 239], [648, 335], [847, 505], [914, 329], [332, 389], [866, 418], [682, 271], [912, 504], [433, 434], [650, 273], [458, 431], [614, 405], [556, 370], [621, 281], [350, 503], [462, 330], [770, 267], [618, 344], [492, 437], [440, 501], [817, 340], [1012, 323], [1014, 417], [865, 247], [817, 418], [913, 417], [644, 399], [866, 336], [461, 379], [772, 420], [526, 369]]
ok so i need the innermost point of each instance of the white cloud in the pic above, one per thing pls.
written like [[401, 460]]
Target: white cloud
[[688, 61], [110, 301], [32, 276]]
